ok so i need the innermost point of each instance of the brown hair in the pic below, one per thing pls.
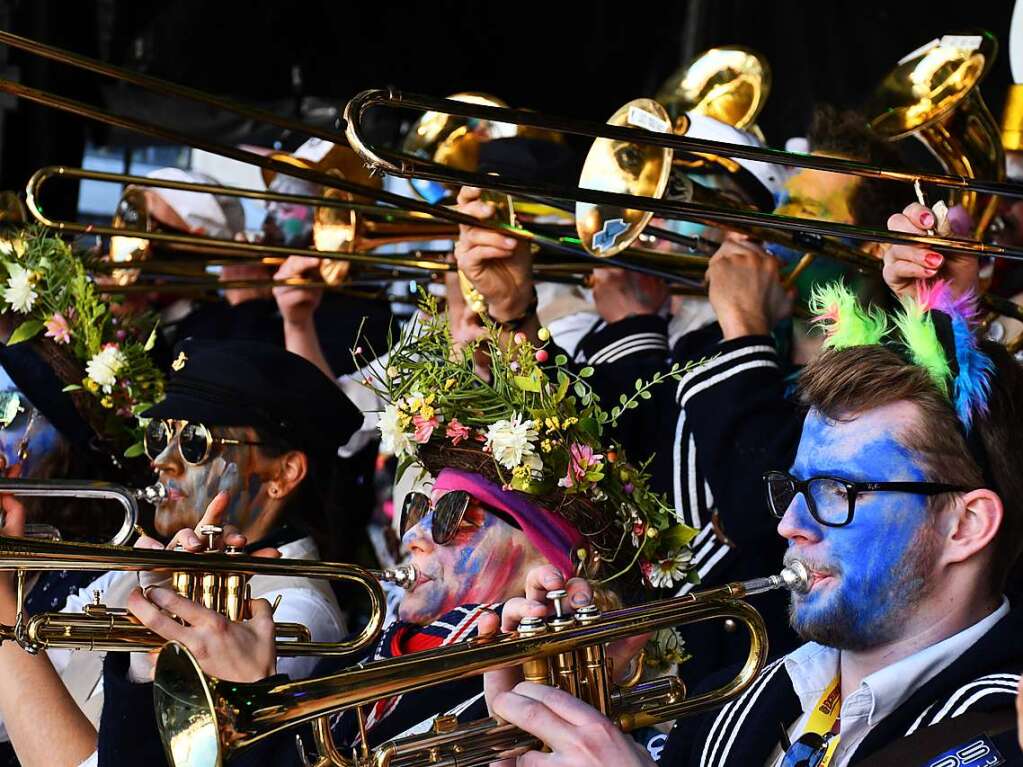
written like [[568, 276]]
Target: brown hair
[[841, 383], [846, 134]]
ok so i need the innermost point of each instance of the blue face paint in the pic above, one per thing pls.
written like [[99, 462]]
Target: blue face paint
[[869, 573], [29, 437]]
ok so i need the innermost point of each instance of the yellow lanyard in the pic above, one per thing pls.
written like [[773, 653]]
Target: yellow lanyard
[[823, 717]]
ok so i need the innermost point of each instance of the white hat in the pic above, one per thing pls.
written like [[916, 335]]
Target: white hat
[[219, 216], [771, 177]]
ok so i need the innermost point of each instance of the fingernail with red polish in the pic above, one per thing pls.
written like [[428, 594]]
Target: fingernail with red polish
[[927, 219], [933, 260]]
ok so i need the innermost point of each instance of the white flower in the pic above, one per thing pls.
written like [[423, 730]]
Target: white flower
[[510, 442], [393, 438], [666, 572], [105, 365], [20, 293]]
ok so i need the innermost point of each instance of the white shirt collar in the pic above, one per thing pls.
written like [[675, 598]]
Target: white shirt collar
[[812, 667]]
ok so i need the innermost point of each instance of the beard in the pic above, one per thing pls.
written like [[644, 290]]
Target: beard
[[844, 626]]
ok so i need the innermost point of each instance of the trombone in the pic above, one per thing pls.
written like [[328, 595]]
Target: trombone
[[643, 123], [203, 721]]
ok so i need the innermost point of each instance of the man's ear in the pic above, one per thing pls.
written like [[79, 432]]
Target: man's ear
[[292, 468], [974, 522]]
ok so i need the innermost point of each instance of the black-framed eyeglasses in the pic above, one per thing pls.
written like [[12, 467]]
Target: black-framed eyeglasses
[[195, 441], [832, 500], [448, 514]]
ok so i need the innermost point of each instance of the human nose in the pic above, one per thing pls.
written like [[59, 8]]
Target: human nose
[[797, 524], [419, 538], [169, 459]]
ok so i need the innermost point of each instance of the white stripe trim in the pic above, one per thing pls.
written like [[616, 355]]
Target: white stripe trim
[[725, 375], [738, 725], [721, 722], [716, 362], [629, 351], [694, 501], [676, 459], [649, 338], [961, 692], [1008, 689], [709, 564]]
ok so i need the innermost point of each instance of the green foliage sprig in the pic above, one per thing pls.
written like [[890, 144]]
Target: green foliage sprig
[[46, 286]]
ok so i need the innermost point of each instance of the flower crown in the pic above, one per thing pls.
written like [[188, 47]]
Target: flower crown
[[536, 428], [935, 332], [103, 357]]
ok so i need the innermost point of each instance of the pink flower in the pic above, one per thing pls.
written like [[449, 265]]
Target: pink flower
[[57, 329], [424, 428], [457, 431], [581, 460]]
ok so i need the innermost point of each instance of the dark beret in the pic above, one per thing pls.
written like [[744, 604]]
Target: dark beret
[[249, 383]]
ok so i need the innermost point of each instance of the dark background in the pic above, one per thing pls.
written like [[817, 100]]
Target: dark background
[[580, 59]]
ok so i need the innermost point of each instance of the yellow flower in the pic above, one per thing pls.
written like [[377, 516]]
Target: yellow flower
[[426, 412], [571, 420], [91, 385], [520, 472], [551, 423], [546, 445], [107, 402], [449, 384]]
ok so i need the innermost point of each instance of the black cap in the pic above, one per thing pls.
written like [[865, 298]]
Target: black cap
[[249, 383], [530, 159], [36, 380]]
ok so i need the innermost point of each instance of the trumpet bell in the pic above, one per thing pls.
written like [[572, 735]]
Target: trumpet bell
[[730, 83], [184, 706], [629, 168]]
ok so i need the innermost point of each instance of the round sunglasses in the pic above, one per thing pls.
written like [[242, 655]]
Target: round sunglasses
[[448, 514], [195, 441]]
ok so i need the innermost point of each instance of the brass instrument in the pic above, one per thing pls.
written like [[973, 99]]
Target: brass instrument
[[730, 83], [217, 580], [70, 488], [648, 128], [203, 721], [934, 95]]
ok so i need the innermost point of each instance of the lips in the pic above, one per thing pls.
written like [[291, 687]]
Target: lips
[[423, 578], [173, 494]]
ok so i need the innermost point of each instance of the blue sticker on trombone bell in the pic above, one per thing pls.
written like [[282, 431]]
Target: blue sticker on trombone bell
[[606, 238], [977, 752]]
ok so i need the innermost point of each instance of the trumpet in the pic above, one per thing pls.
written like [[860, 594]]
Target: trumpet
[[70, 488], [217, 580], [202, 720]]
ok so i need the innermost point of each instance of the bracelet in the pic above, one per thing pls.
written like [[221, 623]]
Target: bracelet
[[516, 323]]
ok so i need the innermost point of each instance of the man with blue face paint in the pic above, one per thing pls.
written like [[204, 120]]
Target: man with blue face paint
[[904, 504]]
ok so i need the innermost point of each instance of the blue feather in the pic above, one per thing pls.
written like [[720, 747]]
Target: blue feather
[[973, 384]]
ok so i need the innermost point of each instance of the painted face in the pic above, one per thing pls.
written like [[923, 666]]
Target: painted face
[[870, 574], [28, 437], [485, 562], [239, 470], [286, 223], [820, 196]]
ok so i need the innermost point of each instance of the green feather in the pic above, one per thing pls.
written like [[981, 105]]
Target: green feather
[[921, 340], [845, 322]]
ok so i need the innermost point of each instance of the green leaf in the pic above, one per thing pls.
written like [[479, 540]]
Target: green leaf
[[677, 536], [528, 383], [586, 372], [134, 451], [639, 384], [560, 360], [579, 389], [26, 330], [151, 341], [632, 405], [645, 395], [72, 387]]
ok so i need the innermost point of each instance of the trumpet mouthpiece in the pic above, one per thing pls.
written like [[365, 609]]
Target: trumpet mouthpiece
[[152, 494], [796, 577], [403, 575]]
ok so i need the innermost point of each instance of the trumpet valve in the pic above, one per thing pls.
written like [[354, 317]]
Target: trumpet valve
[[536, 670], [210, 532]]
